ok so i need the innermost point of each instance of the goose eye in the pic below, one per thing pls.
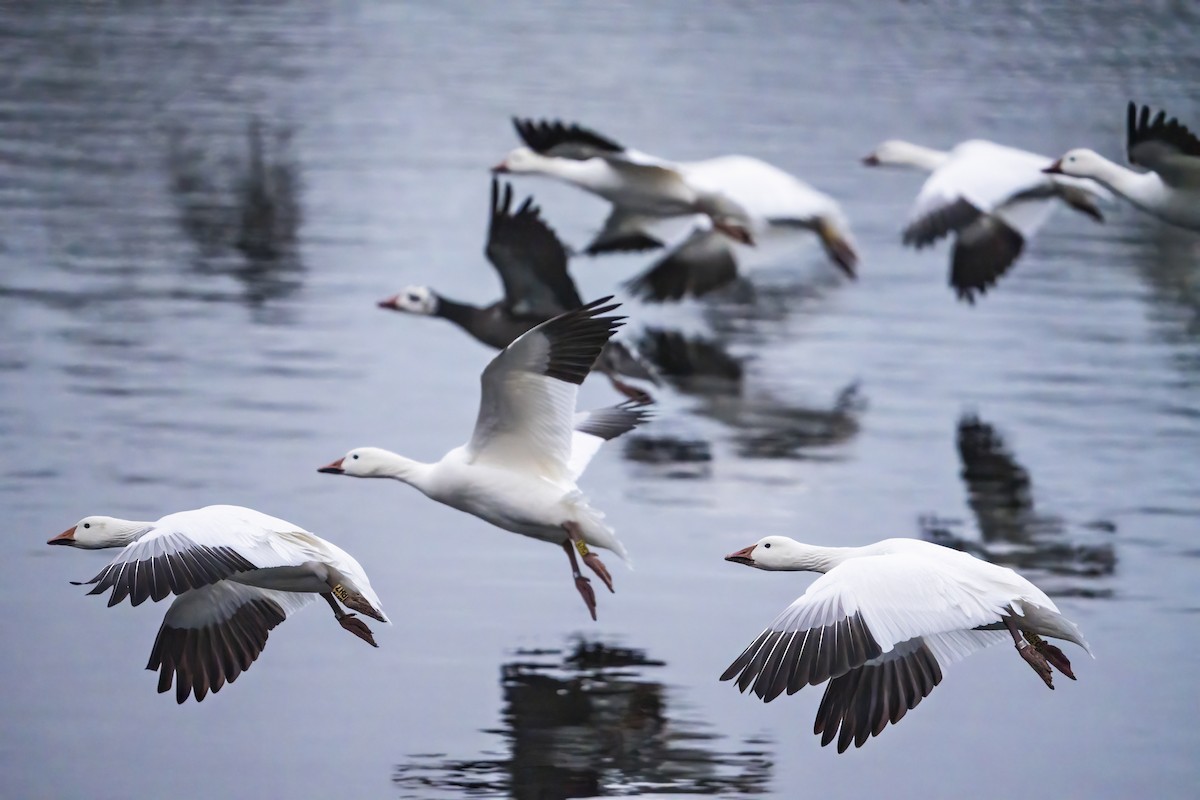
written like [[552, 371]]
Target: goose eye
[[87, 524], [355, 456], [767, 545]]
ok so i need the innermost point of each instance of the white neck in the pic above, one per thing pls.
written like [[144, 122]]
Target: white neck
[[587, 174], [405, 470], [907, 154], [1141, 188], [125, 531], [814, 558]]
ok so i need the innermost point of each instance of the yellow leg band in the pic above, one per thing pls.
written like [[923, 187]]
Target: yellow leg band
[[582, 547], [340, 592]]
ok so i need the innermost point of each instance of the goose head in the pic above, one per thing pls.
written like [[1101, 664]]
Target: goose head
[[770, 553], [520, 160], [413, 300], [1080, 163], [363, 462], [96, 533]]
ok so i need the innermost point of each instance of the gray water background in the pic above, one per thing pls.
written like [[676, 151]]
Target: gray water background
[[147, 366]]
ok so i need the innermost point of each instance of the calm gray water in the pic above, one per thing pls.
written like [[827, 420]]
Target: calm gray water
[[149, 366]]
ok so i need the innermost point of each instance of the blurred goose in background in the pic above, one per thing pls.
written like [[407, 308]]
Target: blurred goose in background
[[236, 574], [529, 446], [991, 197], [742, 199], [1171, 190], [532, 264], [882, 623]]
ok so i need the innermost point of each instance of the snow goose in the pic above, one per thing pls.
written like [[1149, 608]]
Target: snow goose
[[742, 199], [991, 197], [882, 623], [529, 447], [532, 264], [236, 574], [1171, 190]]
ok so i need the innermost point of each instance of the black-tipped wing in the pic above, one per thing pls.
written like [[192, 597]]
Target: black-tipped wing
[[530, 258], [594, 428], [1163, 145], [554, 138], [983, 252], [861, 703], [703, 262], [527, 408], [610, 422], [166, 563], [623, 232], [862, 613], [212, 635], [935, 222], [789, 660]]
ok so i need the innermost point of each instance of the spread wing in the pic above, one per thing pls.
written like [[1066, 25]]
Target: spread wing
[[1163, 145], [594, 428], [527, 408], [897, 617], [188, 550], [530, 258], [979, 178], [557, 139], [212, 635]]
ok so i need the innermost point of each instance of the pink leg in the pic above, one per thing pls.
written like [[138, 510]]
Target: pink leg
[[591, 559], [581, 583]]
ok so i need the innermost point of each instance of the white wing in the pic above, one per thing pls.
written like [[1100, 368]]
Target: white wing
[[978, 178], [764, 191], [212, 635], [191, 549], [527, 407], [857, 612], [880, 629], [594, 428]]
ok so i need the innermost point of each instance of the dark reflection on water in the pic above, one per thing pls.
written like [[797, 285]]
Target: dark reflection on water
[[585, 722], [1012, 531], [763, 425], [240, 205]]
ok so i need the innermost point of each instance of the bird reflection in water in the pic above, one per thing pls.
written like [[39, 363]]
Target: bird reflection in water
[[1011, 530], [585, 723], [241, 207], [762, 425]]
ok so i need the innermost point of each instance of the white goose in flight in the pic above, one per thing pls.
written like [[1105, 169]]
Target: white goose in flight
[[990, 197], [529, 447], [883, 622], [741, 200], [1170, 190], [236, 574]]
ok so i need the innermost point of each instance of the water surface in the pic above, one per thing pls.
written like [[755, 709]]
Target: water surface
[[155, 359]]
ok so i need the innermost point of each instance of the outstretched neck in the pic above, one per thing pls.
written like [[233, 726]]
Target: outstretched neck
[[403, 469], [127, 531], [907, 154], [814, 558], [464, 315], [1140, 188], [592, 173]]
